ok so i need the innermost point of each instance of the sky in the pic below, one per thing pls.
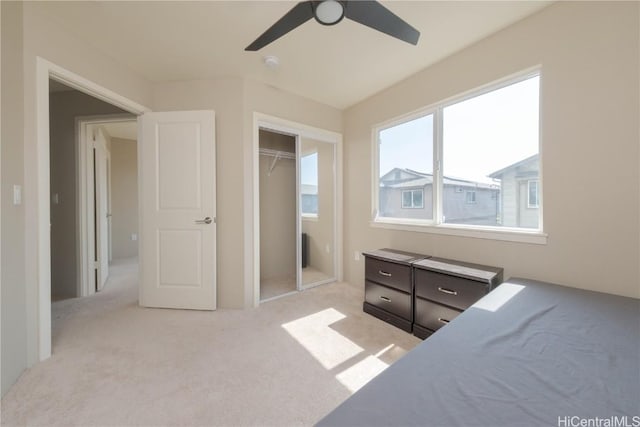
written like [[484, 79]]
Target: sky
[[480, 135], [309, 169]]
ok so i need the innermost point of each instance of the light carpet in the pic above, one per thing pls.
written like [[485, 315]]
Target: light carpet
[[287, 363]]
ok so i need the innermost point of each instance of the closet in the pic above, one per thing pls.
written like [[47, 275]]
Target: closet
[[297, 209], [278, 219]]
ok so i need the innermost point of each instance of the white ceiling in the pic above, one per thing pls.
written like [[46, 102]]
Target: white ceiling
[[339, 65]]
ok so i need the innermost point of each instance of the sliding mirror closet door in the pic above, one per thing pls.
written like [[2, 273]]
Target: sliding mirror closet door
[[318, 211]]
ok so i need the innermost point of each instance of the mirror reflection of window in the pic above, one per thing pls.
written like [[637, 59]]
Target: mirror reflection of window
[[317, 207], [309, 184]]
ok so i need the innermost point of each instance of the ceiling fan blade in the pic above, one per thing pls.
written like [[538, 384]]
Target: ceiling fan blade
[[376, 16], [297, 16]]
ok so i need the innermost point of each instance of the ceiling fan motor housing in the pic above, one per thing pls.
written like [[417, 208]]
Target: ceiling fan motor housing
[[328, 12]]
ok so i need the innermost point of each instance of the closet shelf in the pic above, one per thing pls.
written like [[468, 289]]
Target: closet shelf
[[277, 155]]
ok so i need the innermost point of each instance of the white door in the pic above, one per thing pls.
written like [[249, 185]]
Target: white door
[[177, 210], [102, 208]]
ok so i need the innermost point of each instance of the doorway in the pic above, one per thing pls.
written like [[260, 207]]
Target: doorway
[[107, 197], [66, 187], [296, 208]]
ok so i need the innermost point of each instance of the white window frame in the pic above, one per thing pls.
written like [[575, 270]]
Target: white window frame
[[467, 193], [437, 225], [413, 206], [537, 203]]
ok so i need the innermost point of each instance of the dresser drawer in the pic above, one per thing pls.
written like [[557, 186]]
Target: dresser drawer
[[433, 316], [390, 274], [388, 299], [450, 290], [396, 321]]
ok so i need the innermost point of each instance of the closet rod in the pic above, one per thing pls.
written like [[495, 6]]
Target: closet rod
[[277, 153]]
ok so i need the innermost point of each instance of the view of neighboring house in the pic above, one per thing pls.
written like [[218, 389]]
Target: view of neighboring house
[[309, 199], [405, 193], [520, 196]]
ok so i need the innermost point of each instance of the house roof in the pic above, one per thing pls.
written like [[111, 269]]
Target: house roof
[[413, 178], [497, 174]]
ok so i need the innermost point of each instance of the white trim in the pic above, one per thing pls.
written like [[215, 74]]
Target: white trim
[[276, 124], [298, 216], [84, 205], [493, 233], [39, 203]]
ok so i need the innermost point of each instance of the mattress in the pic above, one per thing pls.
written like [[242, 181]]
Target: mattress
[[528, 353]]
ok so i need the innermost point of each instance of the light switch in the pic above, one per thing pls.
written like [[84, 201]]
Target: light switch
[[55, 198], [134, 237], [17, 195]]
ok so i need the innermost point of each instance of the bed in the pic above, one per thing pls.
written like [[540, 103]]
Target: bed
[[528, 353]]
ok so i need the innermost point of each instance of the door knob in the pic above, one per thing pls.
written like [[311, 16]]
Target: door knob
[[207, 220]]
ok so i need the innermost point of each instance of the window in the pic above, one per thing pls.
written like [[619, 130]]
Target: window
[[405, 162], [532, 192], [309, 185], [413, 199], [481, 147], [470, 197]]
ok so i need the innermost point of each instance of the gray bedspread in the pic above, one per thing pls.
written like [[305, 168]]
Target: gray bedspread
[[529, 353]]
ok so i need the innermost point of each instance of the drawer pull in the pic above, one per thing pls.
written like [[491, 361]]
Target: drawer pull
[[384, 273], [441, 320], [447, 291], [385, 299]]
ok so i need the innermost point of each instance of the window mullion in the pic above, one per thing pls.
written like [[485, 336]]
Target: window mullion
[[437, 166]]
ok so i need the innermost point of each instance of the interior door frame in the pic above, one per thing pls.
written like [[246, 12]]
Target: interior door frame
[[38, 203], [265, 121], [85, 239]]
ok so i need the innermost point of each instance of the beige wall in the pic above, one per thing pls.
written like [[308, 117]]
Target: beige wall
[[64, 107], [13, 304], [277, 210], [320, 230], [124, 198], [589, 142], [234, 101]]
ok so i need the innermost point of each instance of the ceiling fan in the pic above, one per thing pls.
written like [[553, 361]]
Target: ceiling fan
[[330, 12]]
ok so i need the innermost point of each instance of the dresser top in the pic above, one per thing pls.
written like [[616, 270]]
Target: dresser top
[[394, 255], [482, 273]]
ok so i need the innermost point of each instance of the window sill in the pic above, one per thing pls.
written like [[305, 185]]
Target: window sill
[[310, 217], [491, 233]]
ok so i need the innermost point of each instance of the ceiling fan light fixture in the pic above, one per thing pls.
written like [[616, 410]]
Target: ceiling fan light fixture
[[329, 12]]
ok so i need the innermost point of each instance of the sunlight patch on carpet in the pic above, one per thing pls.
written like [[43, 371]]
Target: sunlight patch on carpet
[[327, 346]]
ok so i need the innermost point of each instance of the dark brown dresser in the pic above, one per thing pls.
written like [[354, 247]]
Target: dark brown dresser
[[388, 286], [444, 288]]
